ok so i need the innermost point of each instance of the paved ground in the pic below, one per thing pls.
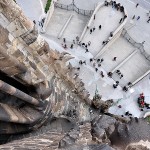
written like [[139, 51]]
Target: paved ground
[[139, 30], [104, 17], [59, 19]]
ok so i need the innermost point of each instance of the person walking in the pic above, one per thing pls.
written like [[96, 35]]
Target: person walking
[[101, 60], [94, 17], [100, 26], [138, 18], [96, 69], [120, 20], [114, 59], [133, 17], [121, 76], [89, 43], [91, 31], [71, 46], [143, 42], [64, 40], [148, 20], [91, 59], [137, 5]]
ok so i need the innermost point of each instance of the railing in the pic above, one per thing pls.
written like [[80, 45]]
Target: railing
[[135, 44], [73, 7]]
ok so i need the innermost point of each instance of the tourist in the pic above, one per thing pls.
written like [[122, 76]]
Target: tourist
[[110, 74], [133, 17], [34, 21], [129, 84], [121, 76], [85, 45], [84, 62], [117, 71], [94, 16], [143, 42], [65, 46], [111, 34], [71, 46], [96, 69], [119, 106], [89, 43], [102, 74], [99, 65], [125, 89], [148, 20], [121, 8], [127, 113], [77, 38], [91, 59], [100, 27], [114, 59], [91, 31], [98, 60], [86, 50], [94, 64], [80, 62], [78, 68], [125, 16], [137, 5], [64, 40], [120, 20], [106, 3], [117, 83], [138, 18], [101, 60]]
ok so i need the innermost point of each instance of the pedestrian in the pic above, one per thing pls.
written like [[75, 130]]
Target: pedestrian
[[125, 16], [78, 68], [91, 31], [117, 83], [114, 86], [85, 45], [100, 27], [121, 76], [65, 46], [94, 16], [99, 65], [137, 5], [74, 42], [77, 38], [117, 71], [111, 34], [148, 20], [80, 62], [120, 20], [148, 13], [96, 69], [84, 62], [89, 43], [101, 60], [34, 21], [86, 50], [102, 74], [110, 74], [64, 40], [143, 42], [138, 18], [91, 59], [133, 17], [129, 84], [98, 60], [114, 59], [71, 46], [94, 64], [125, 89], [127, 113]]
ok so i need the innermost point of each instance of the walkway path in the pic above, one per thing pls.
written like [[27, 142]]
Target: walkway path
[[104, 17], [74, 28]]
